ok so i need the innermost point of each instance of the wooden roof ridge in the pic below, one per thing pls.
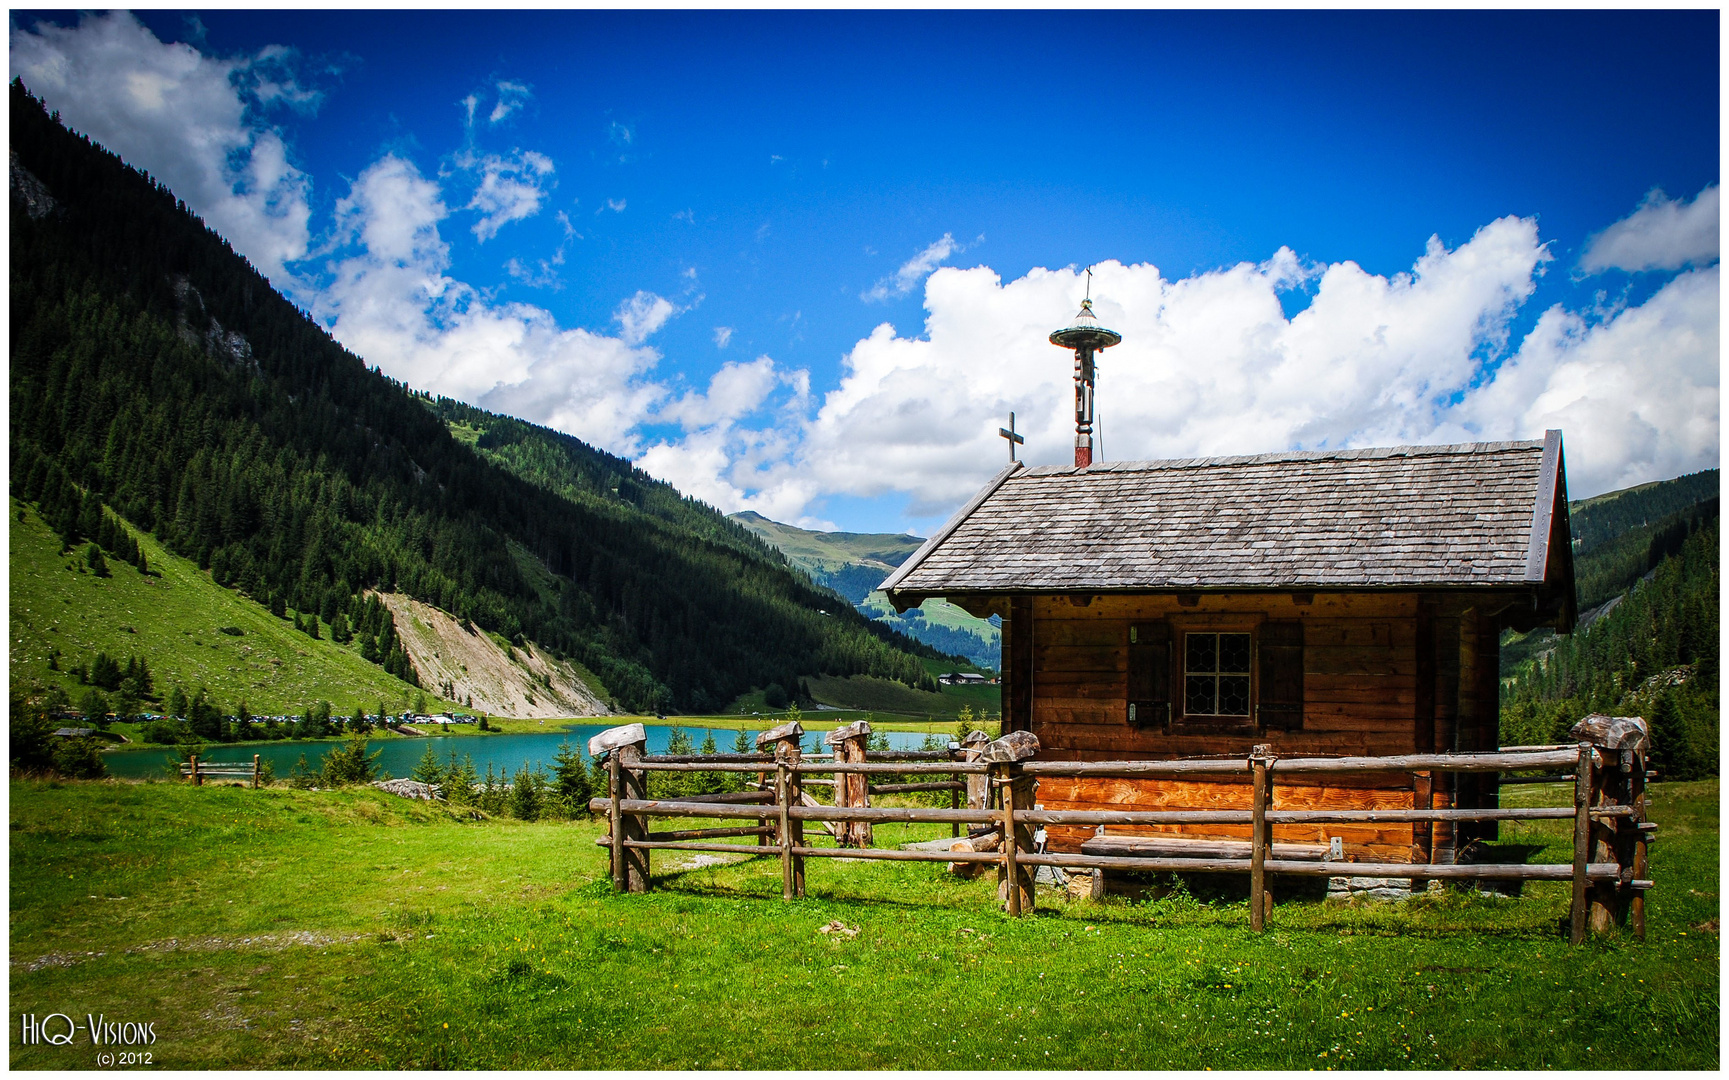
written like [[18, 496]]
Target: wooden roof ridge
[[1461, 515], [1278, 456]]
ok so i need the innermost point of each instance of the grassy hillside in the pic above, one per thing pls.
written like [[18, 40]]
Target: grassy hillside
[[882, 695], [805, 547], [173, 617], [353, 930]]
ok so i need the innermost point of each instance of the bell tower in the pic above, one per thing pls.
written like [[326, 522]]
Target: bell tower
[[1086, 337]]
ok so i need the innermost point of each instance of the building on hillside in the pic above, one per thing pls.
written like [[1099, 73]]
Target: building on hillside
[[963, 678], [1323, 603]]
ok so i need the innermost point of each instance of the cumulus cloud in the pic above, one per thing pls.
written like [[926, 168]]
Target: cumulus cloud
[[1637, 395], [390, 300], [641, 315], [912, 271], [1210, 364], [510, 188], [1662, 234], [195, 122], [727, 463]]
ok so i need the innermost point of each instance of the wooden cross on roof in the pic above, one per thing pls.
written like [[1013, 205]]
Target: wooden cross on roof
[[1009, 434]]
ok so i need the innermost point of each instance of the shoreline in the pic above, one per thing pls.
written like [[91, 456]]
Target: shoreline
[[830, 719]]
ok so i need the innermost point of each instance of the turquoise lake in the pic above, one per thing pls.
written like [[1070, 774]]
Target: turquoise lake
[[397, 757]]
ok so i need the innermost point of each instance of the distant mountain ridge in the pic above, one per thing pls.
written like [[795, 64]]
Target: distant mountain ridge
[[854, 564]]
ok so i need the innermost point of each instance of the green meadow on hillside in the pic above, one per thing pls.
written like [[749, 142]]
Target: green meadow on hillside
[[351, 929], [174, 618]]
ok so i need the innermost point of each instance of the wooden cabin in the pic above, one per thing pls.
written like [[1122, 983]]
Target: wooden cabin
[[1321, 603]]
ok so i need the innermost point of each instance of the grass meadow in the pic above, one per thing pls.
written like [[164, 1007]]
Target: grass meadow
[[350, 929]]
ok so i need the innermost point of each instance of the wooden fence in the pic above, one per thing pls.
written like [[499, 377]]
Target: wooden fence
[[196, 770], [1607, 767]]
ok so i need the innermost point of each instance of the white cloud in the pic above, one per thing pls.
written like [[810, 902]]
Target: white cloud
[[722, 336], [1637, 395], [511, 97], [913, 271], [725, 462], [615, 205], [193, 121], [735, 391], [641, 315], [510, 189], [1663, 234], [1210, 364], [390, 301]]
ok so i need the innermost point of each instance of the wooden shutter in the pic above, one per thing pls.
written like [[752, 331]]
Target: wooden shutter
[[1150, 675], [1281, 691]]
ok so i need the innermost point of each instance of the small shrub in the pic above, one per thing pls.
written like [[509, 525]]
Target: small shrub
[[79, 758], [302, 776]]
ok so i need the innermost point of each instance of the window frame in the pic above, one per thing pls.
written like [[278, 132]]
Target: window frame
[[1212, 723]]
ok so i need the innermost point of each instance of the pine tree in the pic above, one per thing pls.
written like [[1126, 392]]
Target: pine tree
[[428, 771]]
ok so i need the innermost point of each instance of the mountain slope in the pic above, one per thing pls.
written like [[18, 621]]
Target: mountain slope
[[154, 372], [191, 632], [854, 564], [1649, 644]]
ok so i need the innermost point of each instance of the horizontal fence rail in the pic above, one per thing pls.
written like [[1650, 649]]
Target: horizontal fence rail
[[1608, 869]]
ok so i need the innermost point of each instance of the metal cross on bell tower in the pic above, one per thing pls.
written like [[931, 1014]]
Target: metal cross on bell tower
[[1085, 337]]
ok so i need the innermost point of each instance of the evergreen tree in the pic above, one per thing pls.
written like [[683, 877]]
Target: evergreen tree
[[571, 778], [428, 771], [525, 794]]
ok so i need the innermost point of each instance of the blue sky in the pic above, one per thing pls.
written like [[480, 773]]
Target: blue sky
[[681, 235]]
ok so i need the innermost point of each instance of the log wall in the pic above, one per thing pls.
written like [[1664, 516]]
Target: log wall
[[1383, 674]]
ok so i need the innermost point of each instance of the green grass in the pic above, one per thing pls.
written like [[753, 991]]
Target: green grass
[[283, 929], [171, 619]]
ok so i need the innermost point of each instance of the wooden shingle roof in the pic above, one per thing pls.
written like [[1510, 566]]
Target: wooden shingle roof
[[1477, 514]]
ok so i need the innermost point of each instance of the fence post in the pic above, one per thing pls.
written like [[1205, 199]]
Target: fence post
[[1621, 742], [615, 792], [1259, 840], [1641, 864], [1581, 839], [1422, 832], [197, 781], [978, 784], [1005, 755], [254, 772], [852, 789], [788, 792], [624, 746]]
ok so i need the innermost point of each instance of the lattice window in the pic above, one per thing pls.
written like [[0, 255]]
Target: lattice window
[[1216, 674]]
